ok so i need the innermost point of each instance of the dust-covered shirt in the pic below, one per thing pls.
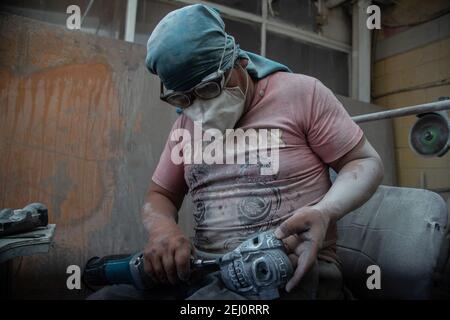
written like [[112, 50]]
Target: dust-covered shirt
[[233, 201]]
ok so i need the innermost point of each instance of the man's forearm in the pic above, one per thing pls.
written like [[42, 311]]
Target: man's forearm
[[168, 251], [354, 185], [158, 211]]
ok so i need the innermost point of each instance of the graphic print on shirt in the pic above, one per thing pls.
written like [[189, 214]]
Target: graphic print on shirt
[[214, 187]]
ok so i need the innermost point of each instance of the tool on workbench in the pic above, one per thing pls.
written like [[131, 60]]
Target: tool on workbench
[[13, 221], [259, 266]]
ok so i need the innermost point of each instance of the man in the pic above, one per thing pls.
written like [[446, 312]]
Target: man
[[219, 86]]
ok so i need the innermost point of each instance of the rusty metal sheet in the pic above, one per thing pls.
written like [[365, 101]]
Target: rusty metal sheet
[[78, 132]]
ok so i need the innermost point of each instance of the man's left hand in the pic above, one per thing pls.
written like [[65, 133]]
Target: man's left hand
[[303, 235]]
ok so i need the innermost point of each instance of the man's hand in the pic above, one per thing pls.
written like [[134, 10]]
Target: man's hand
[[168, 252], [303, 235], [360, 171]]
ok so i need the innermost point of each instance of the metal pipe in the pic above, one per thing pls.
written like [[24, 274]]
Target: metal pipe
[[130, 22], [361, 52], [330, 4], [403, 112], [264, 12]]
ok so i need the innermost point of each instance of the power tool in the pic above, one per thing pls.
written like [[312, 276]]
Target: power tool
[[13, 221], [259, 266]]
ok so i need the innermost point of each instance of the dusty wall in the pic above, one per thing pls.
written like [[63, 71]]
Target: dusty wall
[[81, 130]]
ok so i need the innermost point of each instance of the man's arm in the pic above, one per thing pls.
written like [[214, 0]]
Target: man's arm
[[360, 172], [167, 254]]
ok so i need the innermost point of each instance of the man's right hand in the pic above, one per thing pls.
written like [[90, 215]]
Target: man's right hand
[[168, 252]]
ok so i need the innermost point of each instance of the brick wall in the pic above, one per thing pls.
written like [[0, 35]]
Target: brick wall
[[414, 77]]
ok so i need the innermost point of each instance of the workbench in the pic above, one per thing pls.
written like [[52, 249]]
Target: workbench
[[18, 245]]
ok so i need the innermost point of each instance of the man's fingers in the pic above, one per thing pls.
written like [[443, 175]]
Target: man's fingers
[[149, 270], [294, 260], [158, 269], [307, 255], [169, 267], [294, 225], [291, 242], [183, 263], [298, 274]]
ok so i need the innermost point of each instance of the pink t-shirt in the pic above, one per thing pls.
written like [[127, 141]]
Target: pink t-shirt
[[233, 201]]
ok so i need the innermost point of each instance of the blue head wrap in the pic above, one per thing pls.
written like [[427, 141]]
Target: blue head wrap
[[188, 43]]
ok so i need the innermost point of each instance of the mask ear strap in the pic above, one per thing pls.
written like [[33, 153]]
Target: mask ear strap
[[223, 52], [233, 58], [228, 77], [246, 77]]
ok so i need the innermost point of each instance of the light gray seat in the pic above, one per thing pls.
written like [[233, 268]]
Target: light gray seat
[[403, 231]]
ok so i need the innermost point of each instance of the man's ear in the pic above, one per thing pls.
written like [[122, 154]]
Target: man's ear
[[243, 63]]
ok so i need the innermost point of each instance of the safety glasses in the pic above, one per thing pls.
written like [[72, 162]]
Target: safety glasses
[[209, 88]]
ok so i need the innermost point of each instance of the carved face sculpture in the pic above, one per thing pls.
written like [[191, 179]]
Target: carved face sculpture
[[258, 266]]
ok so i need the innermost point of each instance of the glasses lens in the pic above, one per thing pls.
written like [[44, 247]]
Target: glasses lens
[[207, 90], [179, 100]]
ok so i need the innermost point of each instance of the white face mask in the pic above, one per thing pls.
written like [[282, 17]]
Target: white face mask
[[222, 112]]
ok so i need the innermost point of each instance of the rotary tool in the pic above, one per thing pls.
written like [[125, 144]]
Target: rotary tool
[[259, 266]]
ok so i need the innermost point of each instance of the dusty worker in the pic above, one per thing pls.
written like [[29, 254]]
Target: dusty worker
[[220, 87]]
